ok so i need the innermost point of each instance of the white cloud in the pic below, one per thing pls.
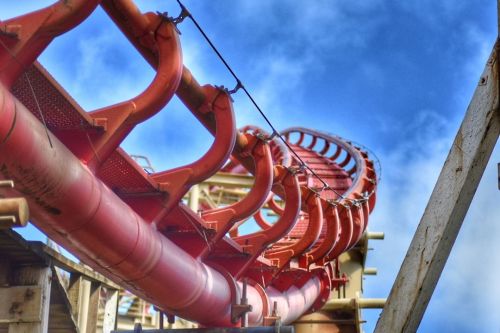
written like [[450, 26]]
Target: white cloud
[[468, 286], [317, 24], [482, 44], [433, 12]]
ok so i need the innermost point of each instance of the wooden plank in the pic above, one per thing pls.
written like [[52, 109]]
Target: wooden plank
[[20, 304], [7, 222], [110, 311], [14, 212], [449, 202], [93, 309], [74, 292], [70, 266], [4, 270], [194, 198], [41, 277], [61, 314]]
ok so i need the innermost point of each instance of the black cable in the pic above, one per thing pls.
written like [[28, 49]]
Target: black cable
[[31, 88], [240, 84]]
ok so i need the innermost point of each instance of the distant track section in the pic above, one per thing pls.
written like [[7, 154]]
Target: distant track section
[[90, 196]]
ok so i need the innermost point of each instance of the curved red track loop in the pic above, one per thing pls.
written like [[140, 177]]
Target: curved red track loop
[[281, 153], [274, 206], [255, 243], [39, 28], [109, 216], [326, 245], [346, 232], [261, 222], [121, 118], [223, 219], [359, 196], [310, 236], [178, 181]]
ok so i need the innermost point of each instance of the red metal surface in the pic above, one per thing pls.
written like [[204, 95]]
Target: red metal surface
[[92, 197]]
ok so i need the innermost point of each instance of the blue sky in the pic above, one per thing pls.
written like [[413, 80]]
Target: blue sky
[[396, 76]]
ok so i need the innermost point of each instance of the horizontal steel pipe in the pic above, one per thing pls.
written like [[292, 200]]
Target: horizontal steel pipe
[[354, 303], [291, 303], [74, 207], [375, 235], [67, 198]]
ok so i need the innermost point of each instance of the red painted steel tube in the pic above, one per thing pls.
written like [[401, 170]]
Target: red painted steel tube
[[225, 218], [178, 181], [275, 207], [259, 219], [121, 118], [274, 232], [346, 232], [364, 181], [283, 254], [291, 303], [280, 150], [126, 14], [110, 236], [256, 243], [332, 233], [103, 229], [28, 35], [313, 230], [78, 210]]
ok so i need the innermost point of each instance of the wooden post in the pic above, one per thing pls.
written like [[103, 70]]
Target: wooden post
[[109, 320], [74, 295], [93, 309], [80, 297], [5, 265], [194, 198], [25, 304], [449, 202], [13, 213]]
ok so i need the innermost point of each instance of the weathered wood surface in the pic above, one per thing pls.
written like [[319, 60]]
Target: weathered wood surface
[[70, 266], [445, 212], [110, 311], [61, 319], [40, 277], [20, 304], [14, 212], [93, 308]]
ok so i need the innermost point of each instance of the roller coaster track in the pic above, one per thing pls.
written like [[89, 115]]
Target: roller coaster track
[[90, 196]]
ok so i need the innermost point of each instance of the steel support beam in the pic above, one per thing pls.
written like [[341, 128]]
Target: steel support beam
[[230, 180], [448, 204], [354, 303]]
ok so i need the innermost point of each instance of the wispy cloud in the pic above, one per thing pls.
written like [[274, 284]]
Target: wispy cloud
[[467, 288], [292, 57]]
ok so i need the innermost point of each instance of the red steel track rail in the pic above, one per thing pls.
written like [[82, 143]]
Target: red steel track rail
[[90, 196]]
